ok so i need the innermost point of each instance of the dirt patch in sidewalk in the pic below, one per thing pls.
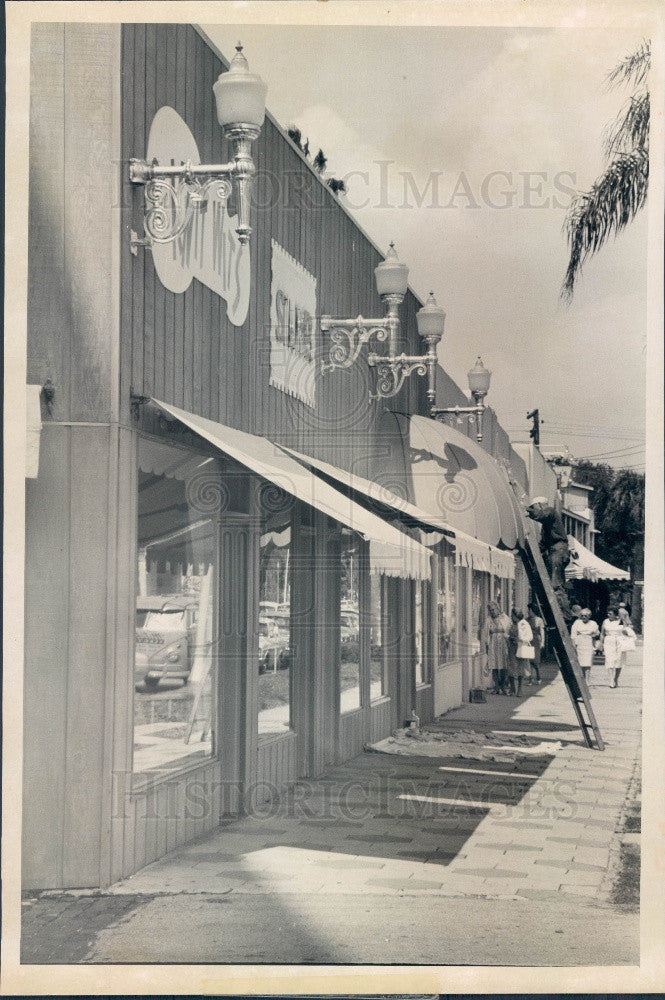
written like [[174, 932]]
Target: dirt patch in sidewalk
[[466, 743], [626, 888], [625, 892], [60, 929]]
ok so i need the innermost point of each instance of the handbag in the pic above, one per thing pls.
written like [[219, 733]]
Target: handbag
[[525, 651], [627, 641]]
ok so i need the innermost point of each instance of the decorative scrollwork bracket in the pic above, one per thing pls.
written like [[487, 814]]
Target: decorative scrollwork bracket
[[348, 338], [173, 194], [392, 372]]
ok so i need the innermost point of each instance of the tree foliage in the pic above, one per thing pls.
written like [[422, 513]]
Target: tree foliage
[[621, 191], [320, 161], [618, 505], [336, 184]]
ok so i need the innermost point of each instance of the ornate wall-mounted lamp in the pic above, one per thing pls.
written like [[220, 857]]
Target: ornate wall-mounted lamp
[[349, 335], [172, 193], [393, 369], [479, 383]]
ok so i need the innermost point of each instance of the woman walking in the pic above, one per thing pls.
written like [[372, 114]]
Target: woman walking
[[583, 632], [498, 627], [538, 628], [613, 636]]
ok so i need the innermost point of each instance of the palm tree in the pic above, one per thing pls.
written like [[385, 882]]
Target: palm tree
[[621, 191], [623, 521]]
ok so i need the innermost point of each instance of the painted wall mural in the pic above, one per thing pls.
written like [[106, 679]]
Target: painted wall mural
[[208, 248]]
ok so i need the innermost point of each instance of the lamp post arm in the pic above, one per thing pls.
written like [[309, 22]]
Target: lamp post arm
[[437, 411], [393, 370], [349, 335], [142, 172], [475, 411]]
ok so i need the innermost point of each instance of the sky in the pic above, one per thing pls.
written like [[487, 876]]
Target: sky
[[464, 145]]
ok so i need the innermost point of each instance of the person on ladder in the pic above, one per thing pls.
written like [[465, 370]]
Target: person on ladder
[[554, 547]]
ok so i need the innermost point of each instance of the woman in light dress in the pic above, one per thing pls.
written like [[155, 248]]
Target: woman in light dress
[[538, 628], [583, 632], [498, 626], [613, 636], [520, 641]]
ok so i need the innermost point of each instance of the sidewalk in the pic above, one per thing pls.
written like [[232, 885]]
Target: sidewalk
[[495, 839]]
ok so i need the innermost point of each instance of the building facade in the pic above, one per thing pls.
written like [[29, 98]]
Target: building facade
[[209, 617]]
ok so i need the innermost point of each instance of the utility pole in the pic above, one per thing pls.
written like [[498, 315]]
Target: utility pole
[[535, 430]]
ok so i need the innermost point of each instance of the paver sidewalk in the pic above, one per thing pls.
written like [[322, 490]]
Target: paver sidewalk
[[501, 810]]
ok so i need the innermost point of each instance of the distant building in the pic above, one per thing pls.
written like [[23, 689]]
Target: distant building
[[577, 514]]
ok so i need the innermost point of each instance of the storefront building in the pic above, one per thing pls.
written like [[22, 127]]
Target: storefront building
[[218, 600]]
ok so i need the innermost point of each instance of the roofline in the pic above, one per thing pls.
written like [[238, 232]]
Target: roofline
[[576, 514], [581, 486], [209, 42]]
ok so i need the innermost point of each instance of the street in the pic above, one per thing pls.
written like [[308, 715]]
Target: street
[[494, 838]]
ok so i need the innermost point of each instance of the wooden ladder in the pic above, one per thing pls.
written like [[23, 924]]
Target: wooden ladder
[[563, 646]]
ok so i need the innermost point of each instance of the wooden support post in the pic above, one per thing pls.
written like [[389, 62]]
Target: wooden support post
[[238, 655]]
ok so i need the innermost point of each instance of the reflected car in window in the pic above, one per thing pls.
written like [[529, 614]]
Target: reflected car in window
[[164, 637], [274, 652]]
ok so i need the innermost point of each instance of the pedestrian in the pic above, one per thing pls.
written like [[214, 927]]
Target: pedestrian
[[613, 636], [538, 628], [624, 616], [498, 627], [583, 632], [520, 651]]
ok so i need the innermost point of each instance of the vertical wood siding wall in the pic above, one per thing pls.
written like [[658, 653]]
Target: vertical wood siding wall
[[71, 509], [182, 347]]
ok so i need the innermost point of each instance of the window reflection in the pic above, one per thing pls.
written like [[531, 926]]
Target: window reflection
[[479, 598], [180, 494], [419, 635], [377, 638], [275, 627], [350, 623], [447, 609]]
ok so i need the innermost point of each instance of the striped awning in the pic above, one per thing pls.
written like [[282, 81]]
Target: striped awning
[[586, 565], [392, 551], [469, 551]]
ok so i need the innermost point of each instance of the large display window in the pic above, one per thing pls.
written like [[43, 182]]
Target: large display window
[[480, 596], [349, 621], [275, 623], [419, 625], [378, 650], [180, 496], [446, 599]]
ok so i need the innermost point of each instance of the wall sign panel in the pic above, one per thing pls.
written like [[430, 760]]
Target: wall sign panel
[[292, 327], [209, 248]]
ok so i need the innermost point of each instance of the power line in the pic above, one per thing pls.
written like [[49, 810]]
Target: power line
[[616, 453], [599, 427], [586, 434], [595, 429], [581, 430]]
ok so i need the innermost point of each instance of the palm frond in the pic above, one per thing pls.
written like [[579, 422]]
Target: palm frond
[[606, 209], [634, 67], [630, 131]]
